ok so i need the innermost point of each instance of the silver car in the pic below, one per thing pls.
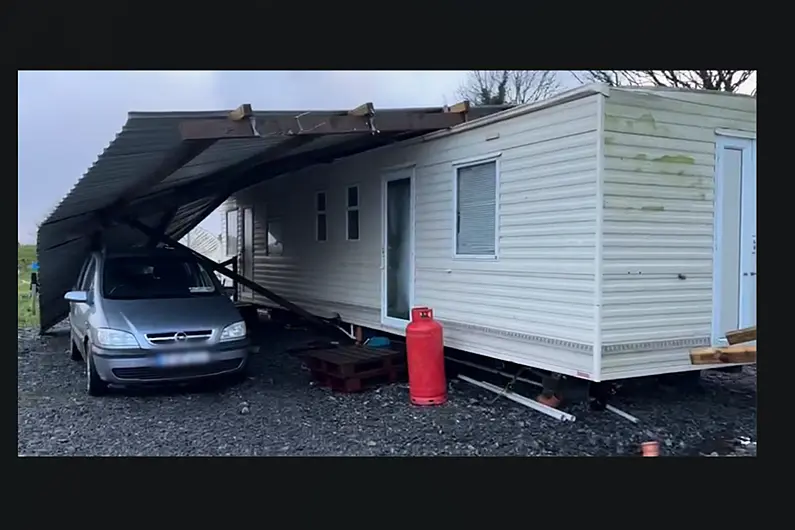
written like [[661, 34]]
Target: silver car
[[153, 315]]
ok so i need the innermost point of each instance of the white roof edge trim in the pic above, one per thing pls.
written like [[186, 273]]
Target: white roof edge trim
[[559, 99], [668, 90]]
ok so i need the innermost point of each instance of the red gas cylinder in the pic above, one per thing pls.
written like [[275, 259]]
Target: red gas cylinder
[[425, 357]]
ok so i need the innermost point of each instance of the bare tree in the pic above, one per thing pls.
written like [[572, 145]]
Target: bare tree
[[722, 80], [500, 87]]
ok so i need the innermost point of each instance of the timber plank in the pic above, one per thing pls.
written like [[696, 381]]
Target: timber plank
[[741, 335], [731, 354]]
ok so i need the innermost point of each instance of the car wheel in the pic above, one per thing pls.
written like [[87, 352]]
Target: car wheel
[[74, 352], [95, 386]]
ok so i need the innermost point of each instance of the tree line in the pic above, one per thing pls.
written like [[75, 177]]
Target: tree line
[[501, 87]]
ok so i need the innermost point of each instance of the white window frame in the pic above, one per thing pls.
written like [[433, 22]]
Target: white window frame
[[476, 161], [226, 232], [268, 222], [319, 212], [357, 209]]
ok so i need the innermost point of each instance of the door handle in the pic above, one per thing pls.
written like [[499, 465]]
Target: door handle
[[749, 274]]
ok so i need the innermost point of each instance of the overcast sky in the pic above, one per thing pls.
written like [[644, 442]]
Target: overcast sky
[[66, 119]]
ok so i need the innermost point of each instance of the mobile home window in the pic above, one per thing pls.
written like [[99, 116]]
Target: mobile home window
[[321, 225], [275, 247], [231, 233], [352, 220], [476, 209]]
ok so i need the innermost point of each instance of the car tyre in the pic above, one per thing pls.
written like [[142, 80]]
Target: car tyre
[[74, 352], [95, 386]]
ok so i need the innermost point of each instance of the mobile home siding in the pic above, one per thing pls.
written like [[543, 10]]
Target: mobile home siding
[[533, 305], [658, 224]]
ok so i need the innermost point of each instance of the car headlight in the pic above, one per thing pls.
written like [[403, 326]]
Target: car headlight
[[114, 338], [234, 331]]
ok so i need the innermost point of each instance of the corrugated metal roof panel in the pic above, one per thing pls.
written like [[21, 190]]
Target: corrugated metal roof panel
[[217, 157], [204, 242], [146, 141]]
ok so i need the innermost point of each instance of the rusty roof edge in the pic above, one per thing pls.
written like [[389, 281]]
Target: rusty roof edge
[[224, 114]]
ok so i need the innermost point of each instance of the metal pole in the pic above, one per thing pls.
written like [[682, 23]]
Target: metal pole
[[217, 267]]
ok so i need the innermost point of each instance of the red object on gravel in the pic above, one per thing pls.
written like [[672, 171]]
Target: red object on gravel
[[425, 357]]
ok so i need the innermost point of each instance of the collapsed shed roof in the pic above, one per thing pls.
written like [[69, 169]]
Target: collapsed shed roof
[[170, 170]]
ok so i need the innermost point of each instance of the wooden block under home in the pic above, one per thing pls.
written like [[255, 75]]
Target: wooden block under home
[[730, 354]]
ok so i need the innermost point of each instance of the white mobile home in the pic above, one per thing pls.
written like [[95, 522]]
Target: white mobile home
[[599, 234]]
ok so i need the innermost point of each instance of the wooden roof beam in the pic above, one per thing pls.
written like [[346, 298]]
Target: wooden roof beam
[[242, 112], [459, 108], [365, 109], [322, 123]]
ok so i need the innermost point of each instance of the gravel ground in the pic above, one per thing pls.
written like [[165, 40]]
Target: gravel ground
[[278, 412]]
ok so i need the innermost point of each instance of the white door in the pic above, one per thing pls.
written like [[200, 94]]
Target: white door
[[397, 250], [734, 285], [247, 255]]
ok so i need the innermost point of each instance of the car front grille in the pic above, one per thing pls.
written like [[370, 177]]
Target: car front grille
[[179, 337], [153, 373]]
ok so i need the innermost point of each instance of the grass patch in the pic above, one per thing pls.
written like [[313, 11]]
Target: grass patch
[[26, 255]]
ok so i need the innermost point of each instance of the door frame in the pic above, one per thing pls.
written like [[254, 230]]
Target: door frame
[[247, 248], [742, 140], [407, 171]]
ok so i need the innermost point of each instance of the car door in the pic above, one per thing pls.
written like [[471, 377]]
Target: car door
[[76, 287], [80, 311]]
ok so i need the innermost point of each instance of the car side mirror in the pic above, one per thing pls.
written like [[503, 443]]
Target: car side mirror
[[78, 297]]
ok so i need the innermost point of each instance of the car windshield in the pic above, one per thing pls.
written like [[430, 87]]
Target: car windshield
[[144, 277]]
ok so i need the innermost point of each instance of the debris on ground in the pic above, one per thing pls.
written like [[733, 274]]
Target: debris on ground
[[738, 336], [277, 412], [736, 352]]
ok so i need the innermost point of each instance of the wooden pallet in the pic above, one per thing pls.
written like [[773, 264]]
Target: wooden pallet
[[358, 382], [349, 361], [353, 368]]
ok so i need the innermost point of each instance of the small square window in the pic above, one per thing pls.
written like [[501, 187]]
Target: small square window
[[353, 197], [321, 227], [321, 230], [353, 225], [352, 216]]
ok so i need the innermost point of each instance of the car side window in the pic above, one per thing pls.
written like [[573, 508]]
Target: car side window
[[88, 279]]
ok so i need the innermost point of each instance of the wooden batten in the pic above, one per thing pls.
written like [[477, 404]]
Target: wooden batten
[[459, 108], [242, 112], [738, 336], [730, 354], [366, 109]]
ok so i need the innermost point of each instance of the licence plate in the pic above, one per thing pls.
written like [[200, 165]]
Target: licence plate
[[181, 359]]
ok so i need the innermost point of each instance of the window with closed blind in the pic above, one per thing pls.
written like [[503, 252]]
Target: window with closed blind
[[476, 210]]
